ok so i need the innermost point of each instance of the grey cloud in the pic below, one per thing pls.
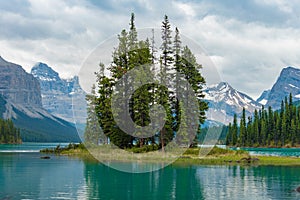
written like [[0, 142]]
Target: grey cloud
[[15, 6], [252, 40], [254, 11]]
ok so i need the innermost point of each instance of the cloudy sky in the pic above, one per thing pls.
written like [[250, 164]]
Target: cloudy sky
[[248, 41]]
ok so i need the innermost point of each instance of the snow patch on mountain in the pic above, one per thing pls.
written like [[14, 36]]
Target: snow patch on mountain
[[224, 101], [61, 97], [263, 99], [287, 82]]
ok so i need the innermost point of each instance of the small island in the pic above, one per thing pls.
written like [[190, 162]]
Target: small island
[[217, 156]]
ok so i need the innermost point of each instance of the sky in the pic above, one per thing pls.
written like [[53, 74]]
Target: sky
[[248, 41]]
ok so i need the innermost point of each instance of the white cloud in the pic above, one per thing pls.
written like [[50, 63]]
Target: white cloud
[[248, 47], [185, 8]]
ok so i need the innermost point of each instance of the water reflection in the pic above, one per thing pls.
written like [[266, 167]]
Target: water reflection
[[168, 183], [26, 176], [194, 182]]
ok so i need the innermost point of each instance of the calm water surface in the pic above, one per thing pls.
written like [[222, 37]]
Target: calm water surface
[[23, 175], [295, 152]]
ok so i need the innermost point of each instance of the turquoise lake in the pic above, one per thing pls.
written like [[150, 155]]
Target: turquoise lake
[[23, 175]]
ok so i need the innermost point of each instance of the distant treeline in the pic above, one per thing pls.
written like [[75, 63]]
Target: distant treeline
[[266, 127], [212, 135], [9, 134]]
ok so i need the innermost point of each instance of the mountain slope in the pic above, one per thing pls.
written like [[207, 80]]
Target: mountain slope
[[37, 125], [20, 100], [287, 82], [263, 99], [60, 96], [19, 86], [224, 101]]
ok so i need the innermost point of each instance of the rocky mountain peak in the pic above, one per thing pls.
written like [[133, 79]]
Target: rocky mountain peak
[[287, 82], [263, 99], [224, 86], [43, 72], [224, 101], [60, 95], [18, 86]]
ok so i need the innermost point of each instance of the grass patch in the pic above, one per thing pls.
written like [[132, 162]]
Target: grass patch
[[217, 156]]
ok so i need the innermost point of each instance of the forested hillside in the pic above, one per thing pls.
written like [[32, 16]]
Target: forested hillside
[[9, 134], [280, 128]]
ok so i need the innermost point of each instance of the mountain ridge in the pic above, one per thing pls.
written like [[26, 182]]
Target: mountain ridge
[[225, 101], [60, 96], [20, 100], [287, 82], [18, 86]]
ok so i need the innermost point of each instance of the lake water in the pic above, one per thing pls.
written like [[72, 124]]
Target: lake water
[[23, 175], [295, 152]]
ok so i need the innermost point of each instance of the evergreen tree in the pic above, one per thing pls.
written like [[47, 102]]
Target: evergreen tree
[[234, 130], [229, 138], [9, 134], [243, 133], [131, 53], [269, 128], [92, 134], [166, 60]]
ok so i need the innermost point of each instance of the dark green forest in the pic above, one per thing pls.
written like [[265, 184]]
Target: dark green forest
[[267, 128], [130, 53], [9, 134]]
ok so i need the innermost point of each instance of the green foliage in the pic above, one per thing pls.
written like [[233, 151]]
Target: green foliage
[[130, 54], [269, 128], [192, 151], [58, 149], [219, 151], [144, 149], [41, 129], [92, 133], [9, 134], [219, 132]]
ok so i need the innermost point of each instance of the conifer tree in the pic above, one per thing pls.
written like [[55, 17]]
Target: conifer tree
[[92, 130], [270, 128], [234, 130], [131, 53], [166, 61], [243, 133]]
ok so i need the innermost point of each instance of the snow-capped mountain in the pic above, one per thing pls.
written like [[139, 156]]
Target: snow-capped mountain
[[287, 82], [263, 99], [60, 96], [20, 101], [224, 101]]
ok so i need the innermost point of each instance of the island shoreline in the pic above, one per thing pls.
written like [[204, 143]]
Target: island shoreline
[[217, 156]]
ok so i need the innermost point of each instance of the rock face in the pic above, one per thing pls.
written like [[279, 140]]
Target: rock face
[[20, 100], [224, 101], [18, 86], [36, 124], [59, 96], [287, 82], [263, 99]]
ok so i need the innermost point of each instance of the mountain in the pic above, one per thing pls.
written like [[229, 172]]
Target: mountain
[[60, 96], [263, 99], [37, 125], [224, 101], [287, 82], [18, 86], [20, 100]]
